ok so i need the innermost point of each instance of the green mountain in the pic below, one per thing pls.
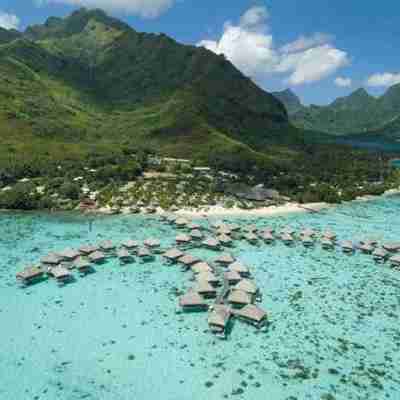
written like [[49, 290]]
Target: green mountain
[[290, 100], [90, 83], [357, 113]]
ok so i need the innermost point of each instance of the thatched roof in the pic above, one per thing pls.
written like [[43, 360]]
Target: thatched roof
[[268, 236], [219, 315], [239, 297], [88, 249], [204, 287], [30, 273], [107, 245], [225, 259], [286, 237], [395, 259], [308, 232], [327, 242], [247, 286], [224, 239], [123, 253], [51, 259], [181, 222], [207, 276], [192, 299], [183, 238], [382, 253], [173, 254], [130, 244], [232, 276], [60, 272], [250, 228], [250, 237], [69, 254], [194, 226], [196, 234], [211, 243], [97, 256], [188, 260], [329, 235], [252, 312], [239, 268], [201, 267], [224, 230], [143, 252], [81, 263], [152, 243], [392, 247], [346, 244]]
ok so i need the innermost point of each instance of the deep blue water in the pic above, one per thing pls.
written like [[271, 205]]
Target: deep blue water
[[115, 335]]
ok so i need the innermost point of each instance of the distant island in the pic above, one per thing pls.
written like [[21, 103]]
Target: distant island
[[95, 114]]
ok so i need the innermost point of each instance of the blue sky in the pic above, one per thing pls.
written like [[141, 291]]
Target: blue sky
[[322, 49]]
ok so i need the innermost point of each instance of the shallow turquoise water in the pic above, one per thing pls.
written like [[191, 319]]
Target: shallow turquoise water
[[115, 335]]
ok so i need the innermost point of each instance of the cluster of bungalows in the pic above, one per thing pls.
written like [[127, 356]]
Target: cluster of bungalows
[[60, 265]]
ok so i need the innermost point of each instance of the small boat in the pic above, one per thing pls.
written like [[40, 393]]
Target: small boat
[[31, 275]]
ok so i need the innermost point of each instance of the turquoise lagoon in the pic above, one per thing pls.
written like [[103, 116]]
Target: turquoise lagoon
[[114, 334]]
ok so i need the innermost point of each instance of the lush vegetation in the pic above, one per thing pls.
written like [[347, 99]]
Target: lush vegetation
[[358, 113]]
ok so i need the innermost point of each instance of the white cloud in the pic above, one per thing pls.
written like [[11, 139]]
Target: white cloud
[[343, 82], [385, 79], [250, 47], [8, 21], [143, 8]]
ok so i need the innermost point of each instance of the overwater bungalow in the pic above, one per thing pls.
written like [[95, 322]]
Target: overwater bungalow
[[188, 260], [287, 231], [208, 277], [192, 301], [252, 315], [225, 259], [347, 246], [107, 246], [239, 298], [61, 275], [395, 261], [83, 266], [205, 289], [193, 226], [234, 227], [212, 244], [51, 260], [267, 237], [183, 239], [380, 254], [87, 249], [329, 235], [173, 255], [97, 257], [232, 277], [287, 239], [307, 241], [201, 267], [196, 234], [250, 228], [224, 230], [240, 268], [248, 286], [124, 256], [130, 244], [225, 240], [369, 242], [392, 247], [308, 233], [30, 275], [145, 254], [182, 223], [68, 254], [152, 243], [327, 244], [218, 319], [251, 237], [365, 248], [171, 219]]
